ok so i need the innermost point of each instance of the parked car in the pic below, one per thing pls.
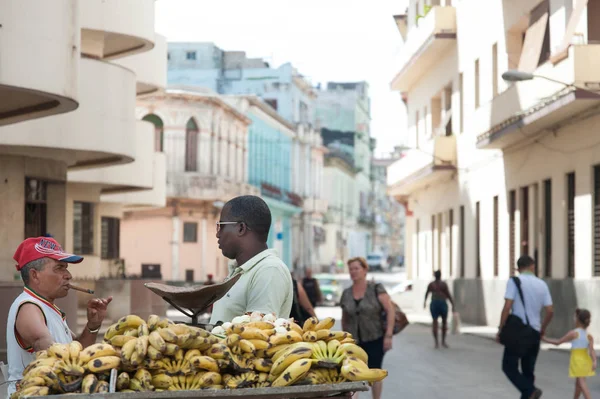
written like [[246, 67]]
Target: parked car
[[331, 288], [377, 262]]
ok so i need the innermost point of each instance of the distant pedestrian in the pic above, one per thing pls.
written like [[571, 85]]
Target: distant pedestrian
[[521, 326], [312, 288], [362, 306], [438, 306], [209, 280], [583, 357], [301, 307]]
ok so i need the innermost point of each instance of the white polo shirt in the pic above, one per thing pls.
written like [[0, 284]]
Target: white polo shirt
[[265, 286]]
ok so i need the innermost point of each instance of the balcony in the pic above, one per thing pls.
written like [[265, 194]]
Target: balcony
[[150, 67], [101, 132], [155, 197], [113, 29], [38, 66], [196, 186], [133, 176], [424, 45], [526, 108], [421, 168]]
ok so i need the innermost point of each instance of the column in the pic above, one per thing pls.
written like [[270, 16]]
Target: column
[[203, 265], [223, 155], [245, 164], [214, 155], [239, 162], [205, 153], [232, 162], [175, 248]]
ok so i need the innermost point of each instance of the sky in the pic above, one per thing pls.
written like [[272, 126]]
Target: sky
[[326, 40]]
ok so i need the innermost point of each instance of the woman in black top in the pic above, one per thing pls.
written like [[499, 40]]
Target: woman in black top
[[301, 306], [362, 305]]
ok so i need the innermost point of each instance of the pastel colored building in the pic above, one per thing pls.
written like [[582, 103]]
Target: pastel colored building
[[500, 168], [205, 142]]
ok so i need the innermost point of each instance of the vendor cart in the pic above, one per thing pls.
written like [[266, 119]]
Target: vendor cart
[[343, 390]]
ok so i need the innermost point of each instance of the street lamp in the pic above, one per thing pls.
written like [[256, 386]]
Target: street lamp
[[514, 75]]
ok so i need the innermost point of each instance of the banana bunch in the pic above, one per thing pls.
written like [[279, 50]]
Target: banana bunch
[[91, 384], [324, 376], [354, 369], [244, 380], [39, 379]]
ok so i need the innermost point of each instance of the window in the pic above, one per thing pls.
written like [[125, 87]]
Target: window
[[189, 275], [450, 242], [477, 238], [512, 210], [476, 84], [496, 228], [417, 121], [462, 241], [597, 220], [548, 228], [524, 237], [571, 224], [83, 228], [536, 45], [110, 238], [191, 146], [158, 131], [425, 122], [303, 112], [35, 207], [461, 101], [272, 103], [190, 232], [495, 70], [190, 55]]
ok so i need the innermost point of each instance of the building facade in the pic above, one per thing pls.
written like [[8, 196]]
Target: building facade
[[343, 112], [500, 169], [205, 142], [293, 98]]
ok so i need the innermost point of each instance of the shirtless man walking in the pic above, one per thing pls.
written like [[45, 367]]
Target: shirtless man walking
[[438, 306]]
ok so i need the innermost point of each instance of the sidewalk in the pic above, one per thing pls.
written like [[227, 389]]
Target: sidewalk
[[487, 332]]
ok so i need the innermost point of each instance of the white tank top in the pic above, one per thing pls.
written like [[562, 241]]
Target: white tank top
[[581, 342], [20, 356]]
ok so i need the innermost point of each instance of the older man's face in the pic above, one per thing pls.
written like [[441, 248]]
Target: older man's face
[[53, 280]]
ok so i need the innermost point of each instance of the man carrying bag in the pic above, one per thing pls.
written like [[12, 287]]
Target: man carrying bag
[[521, 326]]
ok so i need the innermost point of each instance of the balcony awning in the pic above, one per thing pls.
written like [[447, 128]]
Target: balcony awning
[[549, 112]]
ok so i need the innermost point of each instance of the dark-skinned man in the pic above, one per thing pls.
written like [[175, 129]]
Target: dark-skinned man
[[266, 282], [34, 321]]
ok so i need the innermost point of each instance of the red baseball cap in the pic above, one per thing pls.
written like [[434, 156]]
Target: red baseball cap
[[42, 247]]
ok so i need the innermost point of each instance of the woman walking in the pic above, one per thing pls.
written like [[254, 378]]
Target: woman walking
[[362, 306], [583, 357], [438, 306]]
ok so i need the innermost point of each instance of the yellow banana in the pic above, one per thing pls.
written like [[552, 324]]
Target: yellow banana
[[310, 323], [144, 376], [348, 341], [339, 335], [191, 353], [291, 347], [287, 359], [141, 345], [204, 363], [153, 353], [50, 361], [69, 369], [293, 373], [325, 324], [332, 347], [111, 332], [259, 344], [162, 381], [218, 351], [310, 336], [104, 363], [232, 340], [143, 330], [60, 351], [247, 346], [31, 382], [289, 338], [129, 321], [119, 340], [254, 333], [88, 385], [209, 378], [171, 349], [354, 369], [127, 349], [122, 381], [155, 340], [167, 334], [352, 350], [262, 365], [74, 349], [95, 351], [322, 334], [295, 327], [199, 331], [153, 321], [237, 329], [131, 332], [34, 391], [178, 355], [261, 325], [136, 385], [43, 354], [136, 359], [102, 387], [163, 323]]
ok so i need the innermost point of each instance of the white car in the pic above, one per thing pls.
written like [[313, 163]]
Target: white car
[[377, 262]]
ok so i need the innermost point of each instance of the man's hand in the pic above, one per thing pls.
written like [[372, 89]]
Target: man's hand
[[96, 311]]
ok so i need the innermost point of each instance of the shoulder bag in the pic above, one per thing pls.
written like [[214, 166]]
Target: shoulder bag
[[516, 336], [400, 319]]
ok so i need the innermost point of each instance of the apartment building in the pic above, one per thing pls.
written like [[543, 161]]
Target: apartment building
[[499, 168]]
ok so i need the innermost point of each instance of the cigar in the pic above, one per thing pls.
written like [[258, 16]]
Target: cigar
[[76, 288]]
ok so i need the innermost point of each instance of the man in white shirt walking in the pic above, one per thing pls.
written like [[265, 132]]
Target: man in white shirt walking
[[266, 282], [536, 296]]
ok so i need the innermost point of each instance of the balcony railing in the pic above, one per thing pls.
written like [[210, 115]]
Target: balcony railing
[[277, 193], [206, 187]]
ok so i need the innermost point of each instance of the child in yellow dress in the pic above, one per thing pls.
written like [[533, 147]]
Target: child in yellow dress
[[583, 357]]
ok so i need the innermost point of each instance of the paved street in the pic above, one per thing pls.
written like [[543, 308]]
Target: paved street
[[469, 369]]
